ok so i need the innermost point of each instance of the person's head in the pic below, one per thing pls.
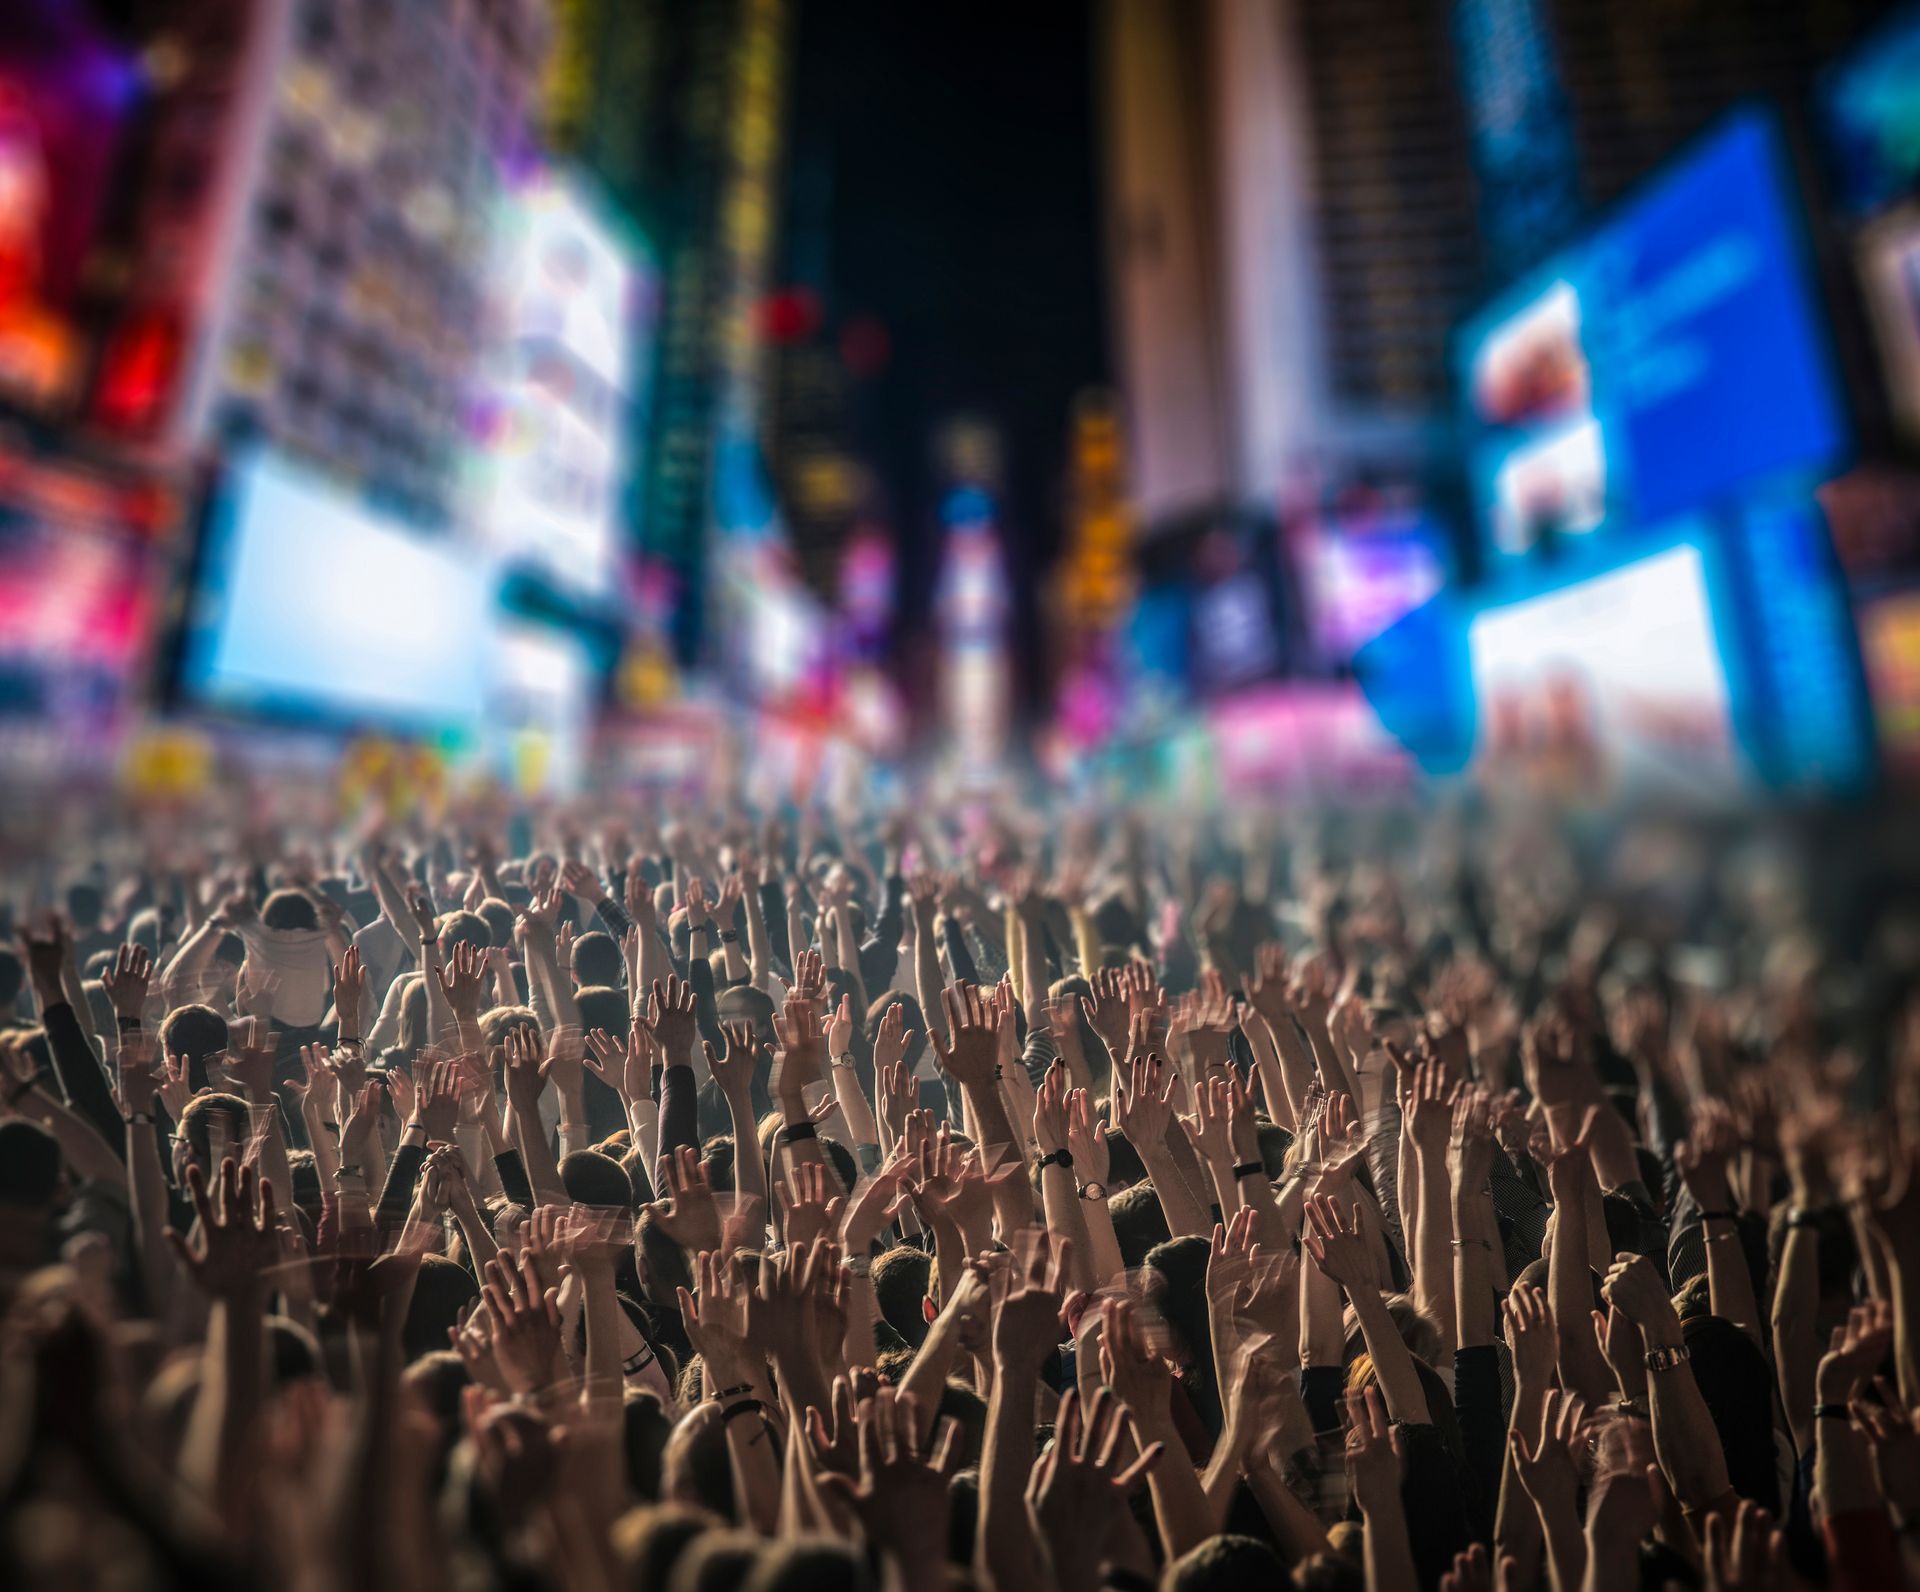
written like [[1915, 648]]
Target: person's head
[[288, 910], [649, 1540], [595, 1179], [13, 979], [645, 1428], [598, 959], [1138, 1222], [696, 1469], [806, 1564], [464, 928], [1736, 1383], [196, 1032], [901, 1278], [499, 1021], [443, 1290], [439, 1382], [715, 1561], [415, 1019], [32, 1172], [84, 906], [212, 1128], [1224, 1563], [500, 919], [1175, 1278]]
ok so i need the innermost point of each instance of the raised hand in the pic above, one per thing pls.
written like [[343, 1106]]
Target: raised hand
[[1050, 1110], [525, 1314], [1207, 1127], [1087, 1139], [1336, 1243], [1143, 1102], [891, 1038], [1373, 1452], [1530, 1336], [436, 1106], [126, 981], [250, 1065], [840, 1028], [803, 1047], [1701, 1158], [462, 978], [627, 1068], [899, 1490], [526, 1073], [733, 1068], [673, 1019], [1549, 1465], [1077, 1493], [812, 1203], [971, 1053], [1634, 1286], [582, 881], [349, 991], [234, 1246], [1267, 984], [1430, 1117], [1470, 1145], [1854, 1352], [1109, 1010], [1026, 1319], [139, 1083], [689, 1215]]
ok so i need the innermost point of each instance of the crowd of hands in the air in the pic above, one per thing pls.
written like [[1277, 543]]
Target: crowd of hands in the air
[[887, 1204]]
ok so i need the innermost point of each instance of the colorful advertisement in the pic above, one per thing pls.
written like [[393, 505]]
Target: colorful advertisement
[[1672, 357], [560, 382]]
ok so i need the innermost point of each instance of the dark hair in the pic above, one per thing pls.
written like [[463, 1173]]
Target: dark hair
[[13, 978], [443, 1289], [601, 1007], [715, 1561], [194, 1127], [650, 1540], [591, 1178], [29, 1164], [465, 928], [806, 1564], [499, 1021], [288, 909], [1138, 1222], [1224, 1563], [598, 959], [500, 919], [646, 1428], [1736, 1383], [84, 905], [195, 1032], [901, 1278], [292, 1351], [1176, 1272], [415, 1019]]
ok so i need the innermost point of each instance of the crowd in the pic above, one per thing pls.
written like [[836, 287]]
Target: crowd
[[853, 1200]]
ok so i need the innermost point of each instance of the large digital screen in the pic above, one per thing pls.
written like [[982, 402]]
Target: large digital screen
[[1869, 110], [1360, 574], [1670, 358], [553, 429], [312, 606], [1612, 685]]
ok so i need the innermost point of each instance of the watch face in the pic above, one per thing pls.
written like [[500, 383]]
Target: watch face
[[1093, 1191]]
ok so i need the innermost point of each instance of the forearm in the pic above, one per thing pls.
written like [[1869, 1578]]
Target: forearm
[[1003, 1551], [1392, 1360], [1433, 1259], [88, 1154], [749, 1170], [82, 1084], [1185, 1215], [1685, 1440], [148, 1190], [1570, 1296], [1796, 1352], [1061, 1204], [1473, 1300], [993, 1130], [213, 1458], [1387, 1552], [926, 979], [855, 1109], [605, 1378], [1179, 1499], [1276, 1088], [1729, 1285], [1565, 1546], [536, 1154]]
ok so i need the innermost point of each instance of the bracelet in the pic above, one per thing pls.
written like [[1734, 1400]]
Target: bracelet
[[1832, 1412], [1719, 1216], [744, 1407], [1249, 1169], [844, 1059], [1810, 1216], [144, 1118], [1667, 1358], [332, 1127], [347, 1171], [858, 1265], [795, 1132], [729, 936], [639, 1361], [735, 1391], [128, 1024], [1060, 1158]]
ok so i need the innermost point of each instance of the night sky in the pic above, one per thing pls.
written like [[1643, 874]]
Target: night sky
[[943, 178]]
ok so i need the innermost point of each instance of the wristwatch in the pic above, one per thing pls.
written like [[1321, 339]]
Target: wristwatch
[[1093, 1191], [1667, 1357], [1060, 1158]]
